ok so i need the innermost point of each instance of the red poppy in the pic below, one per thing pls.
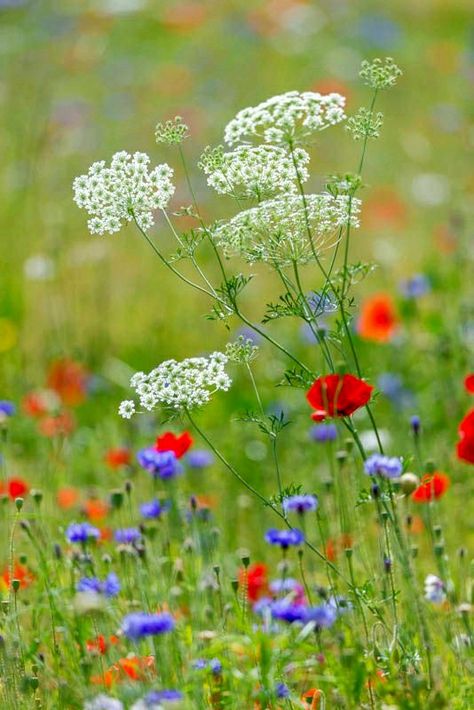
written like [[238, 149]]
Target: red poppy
[[469, 383], [254, 580], [465, 445], [432, 487], [179, 444], [121, 456], [378, 319], [128, 668], [335, 547], [20, 572], [95, 509], [337, 396], [69, 380], [311, 698], [100, 644], [34, 404], [14, 488], [67, 497], [61, 424]]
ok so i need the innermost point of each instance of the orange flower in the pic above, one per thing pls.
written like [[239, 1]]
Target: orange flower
[[101, 644], [335, 547], [311, 698], [67, 497], [95, 509], [69, 380], [130, 667], [120, 456], [62, 423], [20, 572], [378, 320]]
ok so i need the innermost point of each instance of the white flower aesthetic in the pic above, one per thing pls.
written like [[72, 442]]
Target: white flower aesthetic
[[257, 172], [435, 590], [124, 191], [179, 385], [276, 231], [286, 118]]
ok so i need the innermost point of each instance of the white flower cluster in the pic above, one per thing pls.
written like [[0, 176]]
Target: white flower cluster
[[276, 231], [256, 171], [122, 192], [179, 385], [287, 117]]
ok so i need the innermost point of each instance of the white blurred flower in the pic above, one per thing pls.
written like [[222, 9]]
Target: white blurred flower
[[103, 702], [39, 268], [435, 590], [430, 189]]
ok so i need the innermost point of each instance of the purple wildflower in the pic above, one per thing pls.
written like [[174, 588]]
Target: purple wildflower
[[199, 459], [300, 504], [81, 532], [385, 466], [322, 433], [153, 509], [284, 538], [161, 464], [140, 624], [127, 536]]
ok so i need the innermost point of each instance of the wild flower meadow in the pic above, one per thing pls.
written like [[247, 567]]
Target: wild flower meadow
[[324, 570]]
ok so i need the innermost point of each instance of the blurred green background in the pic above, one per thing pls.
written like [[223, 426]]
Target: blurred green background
[[83, 80]]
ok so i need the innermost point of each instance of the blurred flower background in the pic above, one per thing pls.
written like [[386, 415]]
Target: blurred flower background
[[85, 80]]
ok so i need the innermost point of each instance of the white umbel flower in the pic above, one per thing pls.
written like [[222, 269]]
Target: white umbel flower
[[180, 385], [127, 409], [277, 230], [287, 117], [257, 172], [125, 190]]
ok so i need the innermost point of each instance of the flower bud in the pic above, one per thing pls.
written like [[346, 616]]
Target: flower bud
[[409, 482]]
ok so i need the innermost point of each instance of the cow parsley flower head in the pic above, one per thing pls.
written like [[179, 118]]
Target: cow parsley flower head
[[124, 191], [276, 231], [181, 385], [171, 132], [286, 118], [257, 172], [381, 73]]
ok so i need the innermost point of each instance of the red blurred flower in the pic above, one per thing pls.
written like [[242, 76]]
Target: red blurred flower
[[61, 424], [100, 644], [337, 396], [311, 698], [67, 497], [34, 404], [465, 445], [254, 580], [179, 444], [335, 547], [469, 383], [69, 380], [20, 572], [14, 488], [432, 487], [128, 668], [95, 509], [121, 456], [378, 320]]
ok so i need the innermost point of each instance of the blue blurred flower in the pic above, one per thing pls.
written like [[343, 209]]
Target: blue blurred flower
[[110, 587], [282, 690], [153, 509], [81, 532], [127, 536], [284, 538], [199, 459], [385, 466], [140, 624], [323, 432], [7, 409], [416, 286], [161, 464], [300, 504]]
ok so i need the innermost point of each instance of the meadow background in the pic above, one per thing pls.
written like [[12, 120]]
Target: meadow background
[[84, 80]]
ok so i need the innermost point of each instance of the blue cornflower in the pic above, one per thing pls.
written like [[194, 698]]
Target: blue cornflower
[[284, 538], [7, 409], [81, 532], [323, 432], [324, 615], [416, 286], [341, 605], [110, 587], [415, 423], [153, 509], [199, 459], [199, 664], [300, 504], [391, 385], [161, 464], [155, 697], [127, 536], [282, 690], [288, 611], [385, 466], [215, 666], [140, 624], [279, 586], [322, 303]]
